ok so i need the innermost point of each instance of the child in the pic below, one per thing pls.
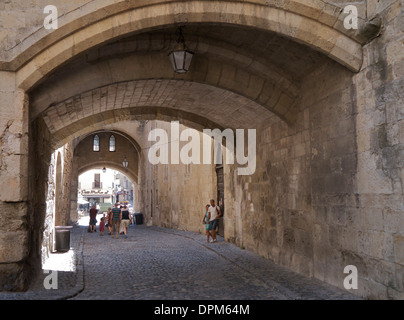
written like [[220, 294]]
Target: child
[[206, 221], [102, 226]]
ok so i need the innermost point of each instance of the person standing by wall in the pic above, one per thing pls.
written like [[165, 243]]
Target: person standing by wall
[[206, 221], [215, 214]]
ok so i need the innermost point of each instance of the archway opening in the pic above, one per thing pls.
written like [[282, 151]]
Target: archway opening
[[133, 91], [104, 187]]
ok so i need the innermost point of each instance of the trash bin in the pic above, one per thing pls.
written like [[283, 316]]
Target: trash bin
[[62, 235], [138, 218]]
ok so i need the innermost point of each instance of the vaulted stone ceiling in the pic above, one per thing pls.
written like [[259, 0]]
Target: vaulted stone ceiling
[[239, 77]]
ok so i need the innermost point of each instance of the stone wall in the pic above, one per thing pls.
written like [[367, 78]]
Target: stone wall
[[380, 141], [64, 207], [74, 186], [50, 188], [293, 209], [328, 191], [14, 211]]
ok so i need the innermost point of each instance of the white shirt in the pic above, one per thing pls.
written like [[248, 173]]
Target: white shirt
[[213, 212]]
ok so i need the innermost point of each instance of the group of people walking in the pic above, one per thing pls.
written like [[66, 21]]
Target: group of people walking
[[211, 220], [118, 220]]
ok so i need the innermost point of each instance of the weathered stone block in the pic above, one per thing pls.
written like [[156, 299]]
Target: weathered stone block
[[13, 246], [399, 249], [12, 277], [13, 216]]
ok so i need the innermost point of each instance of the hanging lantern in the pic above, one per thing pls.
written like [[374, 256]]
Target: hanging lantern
[[125, 163], [180, 57]]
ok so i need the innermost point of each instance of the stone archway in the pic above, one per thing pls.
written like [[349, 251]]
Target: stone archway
[[260, 65], [125, 149], [326, 191], [208, 98], [313, 24], [64, 127], [85, 159]]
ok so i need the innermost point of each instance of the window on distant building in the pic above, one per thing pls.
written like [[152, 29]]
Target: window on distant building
[[112, 143], [97, 181], [96, 143]]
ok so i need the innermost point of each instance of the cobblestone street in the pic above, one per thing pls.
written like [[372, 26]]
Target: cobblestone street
[[156, 263]]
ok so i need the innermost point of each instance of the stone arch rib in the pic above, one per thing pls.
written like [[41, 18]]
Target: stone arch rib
[[313, 32]]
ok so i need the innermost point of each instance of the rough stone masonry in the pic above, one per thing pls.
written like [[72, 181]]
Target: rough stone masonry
[[326, 101]]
